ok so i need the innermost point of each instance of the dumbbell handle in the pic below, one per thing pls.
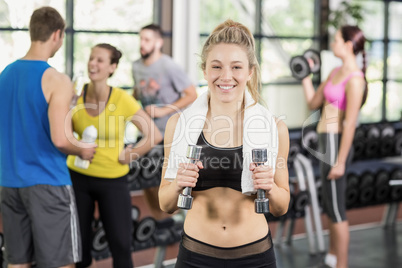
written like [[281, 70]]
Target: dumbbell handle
[[187, 190], [261, 203], [259, 157], [395, 182], [185, 200]]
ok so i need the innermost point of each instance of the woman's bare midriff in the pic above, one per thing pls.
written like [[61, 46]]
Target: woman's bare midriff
[[224, 217], [331, 119]]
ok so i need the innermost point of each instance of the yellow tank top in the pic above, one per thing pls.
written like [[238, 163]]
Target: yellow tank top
[[110, 123]]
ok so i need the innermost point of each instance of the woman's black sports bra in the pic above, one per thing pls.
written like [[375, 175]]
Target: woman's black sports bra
[[222, 166]]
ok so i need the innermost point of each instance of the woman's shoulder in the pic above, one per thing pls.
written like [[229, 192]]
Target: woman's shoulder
[[281, 125], [119, 90], [172, 122], [354, 76], [120, 93], [171, 127], [123, 98]]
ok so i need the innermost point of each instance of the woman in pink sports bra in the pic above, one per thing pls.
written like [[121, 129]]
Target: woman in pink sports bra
[[340, 98]]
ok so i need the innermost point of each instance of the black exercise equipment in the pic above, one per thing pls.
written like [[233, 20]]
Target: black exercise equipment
[[294, 149], [99, 241], [352, 190], [300, 66], [382, 187], [135, 213], [309, 141], [372, 144], [396, 190], [302, 199], [366, 195], [164, 237], [398, 144], [165, 223], [358, 145], [291, 202], [151, 163], [310, 138], [145, 229], [135, 170], [387, 140]]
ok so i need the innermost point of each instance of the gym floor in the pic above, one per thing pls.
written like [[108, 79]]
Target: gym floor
[[371, 245]]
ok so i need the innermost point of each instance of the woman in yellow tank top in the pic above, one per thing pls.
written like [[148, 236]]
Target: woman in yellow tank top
[[108, 109]]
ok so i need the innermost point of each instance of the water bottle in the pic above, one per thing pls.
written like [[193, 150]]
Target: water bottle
[[88, 136], [78, 84], [78, 81]]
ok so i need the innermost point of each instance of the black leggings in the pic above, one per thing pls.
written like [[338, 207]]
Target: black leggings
[[114, 204], [225, 257]]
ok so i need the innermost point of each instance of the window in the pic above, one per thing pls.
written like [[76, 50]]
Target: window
[[114, 22], [14, 37], [94, 21], [287, 28], [284, 29]]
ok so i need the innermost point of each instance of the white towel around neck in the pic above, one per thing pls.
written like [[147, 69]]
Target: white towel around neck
[[259, 131]]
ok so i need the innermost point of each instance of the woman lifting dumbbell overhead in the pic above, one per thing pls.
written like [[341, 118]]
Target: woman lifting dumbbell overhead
[[340, 97], [222, 229], [107, 109]]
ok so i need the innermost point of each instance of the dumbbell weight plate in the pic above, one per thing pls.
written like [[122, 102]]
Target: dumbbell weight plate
[[373, 132], [299, 67], [398, 144], [367, 179], [310, 139], [145, 229], [359, 133], [381, 193], [135, 213], [352, 196], [396, 193], [99, 242], [386, 146], [315, 57], [352, 180], [163, 237], [387, 131], [302, 199], [135, 170], [294, 149], [366, 195], [152, 163]]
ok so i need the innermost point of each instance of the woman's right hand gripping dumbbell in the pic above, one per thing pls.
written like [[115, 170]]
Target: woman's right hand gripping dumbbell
[[187, 175]]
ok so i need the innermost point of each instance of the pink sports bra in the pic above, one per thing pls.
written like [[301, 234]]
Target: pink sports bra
[[335, 94]]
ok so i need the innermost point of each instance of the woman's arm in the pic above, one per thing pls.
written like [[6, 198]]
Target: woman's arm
[[354, 95], [276, 185], [187, 173], [151, 137], [314, 99]]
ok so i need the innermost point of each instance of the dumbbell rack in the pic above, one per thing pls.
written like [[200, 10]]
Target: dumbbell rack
[[306, 180], [161, 250], [391, 210]]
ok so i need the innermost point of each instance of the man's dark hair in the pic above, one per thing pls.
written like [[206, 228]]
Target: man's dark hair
[[45, 21], [154, 27]]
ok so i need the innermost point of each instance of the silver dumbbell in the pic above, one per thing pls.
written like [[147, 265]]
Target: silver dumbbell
[[259, 157], [185, 200]]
